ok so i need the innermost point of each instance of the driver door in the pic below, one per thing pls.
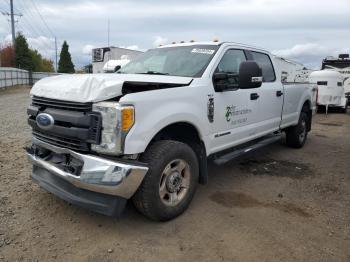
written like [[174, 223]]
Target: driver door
[[233, 109]]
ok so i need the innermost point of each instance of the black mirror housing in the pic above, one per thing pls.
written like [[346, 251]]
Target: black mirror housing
[[250, 75], [220, 76], [219, 80]]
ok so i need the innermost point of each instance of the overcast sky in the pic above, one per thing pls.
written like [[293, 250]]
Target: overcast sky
[[305, 31]]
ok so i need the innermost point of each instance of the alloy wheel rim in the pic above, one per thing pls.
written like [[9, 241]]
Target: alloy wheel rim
[[302, 133], [174, 182]]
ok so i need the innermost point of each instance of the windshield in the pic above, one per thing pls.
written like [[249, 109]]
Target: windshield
[[188, 61]]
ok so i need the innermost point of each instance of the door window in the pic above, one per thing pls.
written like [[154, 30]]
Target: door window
[[230, 63]]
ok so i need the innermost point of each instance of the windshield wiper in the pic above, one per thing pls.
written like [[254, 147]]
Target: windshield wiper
[[153, 73]]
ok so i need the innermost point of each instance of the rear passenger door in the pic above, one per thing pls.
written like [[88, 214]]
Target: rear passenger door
[[268, 105]]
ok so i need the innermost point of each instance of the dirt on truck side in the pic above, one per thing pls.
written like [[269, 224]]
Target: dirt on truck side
[[277, 204]]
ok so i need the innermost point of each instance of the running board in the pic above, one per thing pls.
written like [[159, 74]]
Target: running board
[[241, 151]]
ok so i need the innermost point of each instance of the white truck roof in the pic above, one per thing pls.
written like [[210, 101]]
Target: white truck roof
[[239, 45]]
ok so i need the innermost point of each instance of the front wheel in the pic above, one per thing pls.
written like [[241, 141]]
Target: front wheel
[[296, 135], [170, 182]]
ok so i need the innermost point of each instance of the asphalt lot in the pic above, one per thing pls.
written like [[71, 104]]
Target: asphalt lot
[[278, 204]]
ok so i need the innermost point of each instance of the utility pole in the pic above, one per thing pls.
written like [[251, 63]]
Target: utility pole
[[12, 24], [56, 54], [12, 20]]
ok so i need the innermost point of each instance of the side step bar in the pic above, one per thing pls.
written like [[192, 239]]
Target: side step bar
[[251, 147]]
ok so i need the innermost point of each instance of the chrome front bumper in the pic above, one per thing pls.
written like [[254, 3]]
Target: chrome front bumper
[[97, 174]]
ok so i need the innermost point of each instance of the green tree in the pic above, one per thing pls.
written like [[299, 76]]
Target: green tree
[[37, 60], [23, 58], [65, 64], [40, 64], [48, 65]]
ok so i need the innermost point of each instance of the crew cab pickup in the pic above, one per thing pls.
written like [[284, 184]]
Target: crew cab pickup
[[146, 132]]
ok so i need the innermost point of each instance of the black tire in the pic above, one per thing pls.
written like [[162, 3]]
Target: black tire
[[148, 199], [296, 135]]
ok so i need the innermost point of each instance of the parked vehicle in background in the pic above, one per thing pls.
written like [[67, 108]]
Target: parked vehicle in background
[[289, 69], [100, 56], [330, 89], [114, 65], [146, 132], [342, 65]]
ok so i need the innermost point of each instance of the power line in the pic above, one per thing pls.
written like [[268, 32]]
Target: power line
[[29, 13], [48, 28], [41, 17], [32, 28]]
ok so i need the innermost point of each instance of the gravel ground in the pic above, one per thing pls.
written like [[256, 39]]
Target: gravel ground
[[278, 204]]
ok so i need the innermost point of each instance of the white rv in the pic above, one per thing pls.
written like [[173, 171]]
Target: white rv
[[330, 85], [342, 65]]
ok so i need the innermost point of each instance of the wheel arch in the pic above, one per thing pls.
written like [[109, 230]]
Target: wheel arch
[[189, 134], [307, 108]]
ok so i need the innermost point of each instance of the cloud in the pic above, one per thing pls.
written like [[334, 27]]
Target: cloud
[[41, 43], [303, 50], [87, 49], [272, 24], [7, 40], [310, 54], [159, 40], [133, 47]]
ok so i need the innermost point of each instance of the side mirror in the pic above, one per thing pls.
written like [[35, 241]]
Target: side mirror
[[117, 68], [250, 75], [220, 76], [220, 81]]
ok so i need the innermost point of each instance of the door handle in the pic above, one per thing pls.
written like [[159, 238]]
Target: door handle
[[279, 93], [254, 96]]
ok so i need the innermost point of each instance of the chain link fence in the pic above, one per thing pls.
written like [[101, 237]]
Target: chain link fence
[[10, 76]]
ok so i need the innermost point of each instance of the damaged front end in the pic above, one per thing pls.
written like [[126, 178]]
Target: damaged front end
[[89, 181]]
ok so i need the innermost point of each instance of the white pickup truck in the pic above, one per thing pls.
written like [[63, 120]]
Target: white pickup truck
[[146, 132]]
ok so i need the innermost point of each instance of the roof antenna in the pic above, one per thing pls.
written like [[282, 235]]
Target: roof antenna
[[108, 33], [108, 53]]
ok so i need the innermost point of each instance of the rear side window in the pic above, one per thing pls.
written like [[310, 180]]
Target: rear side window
[[265, 63], [322, 83]]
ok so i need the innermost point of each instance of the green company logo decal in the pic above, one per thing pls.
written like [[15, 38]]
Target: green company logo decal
[[228, 113]]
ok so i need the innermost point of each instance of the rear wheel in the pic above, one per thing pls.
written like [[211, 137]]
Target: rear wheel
[[171, 181], [296, 135]]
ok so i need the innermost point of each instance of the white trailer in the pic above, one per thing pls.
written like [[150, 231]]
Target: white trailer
[[291, 71], [330, 85]]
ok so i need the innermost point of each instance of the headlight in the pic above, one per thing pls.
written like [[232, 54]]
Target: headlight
[[117, 120]]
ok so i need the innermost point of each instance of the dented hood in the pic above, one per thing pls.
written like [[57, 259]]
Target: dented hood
[[95, 87]]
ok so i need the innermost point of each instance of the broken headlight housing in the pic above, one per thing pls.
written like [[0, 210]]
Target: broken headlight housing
[[117, 120]]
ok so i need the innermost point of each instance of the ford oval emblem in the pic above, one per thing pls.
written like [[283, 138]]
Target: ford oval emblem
[[45, 121]]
